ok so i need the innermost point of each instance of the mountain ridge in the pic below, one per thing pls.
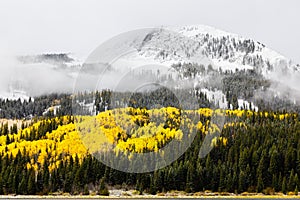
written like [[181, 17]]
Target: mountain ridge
[[200, 52], [221, 47]]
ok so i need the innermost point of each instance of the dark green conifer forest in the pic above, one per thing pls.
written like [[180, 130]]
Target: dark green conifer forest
[[261, 154]]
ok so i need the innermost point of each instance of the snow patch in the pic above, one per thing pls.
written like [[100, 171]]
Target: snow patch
[[246, 105], [216, 96], [15, 95], [193, 30], [53, 109], [230, 66]]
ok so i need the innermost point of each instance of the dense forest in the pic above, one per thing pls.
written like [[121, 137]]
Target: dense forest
[[253, 151], [256, 152], [94, 102], [34, 107]]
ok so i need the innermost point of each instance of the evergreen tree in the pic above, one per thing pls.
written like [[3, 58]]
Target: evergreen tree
[[86, 190], [260, 184], [31, 187], [102, 188], [22, 188], [283, 187]]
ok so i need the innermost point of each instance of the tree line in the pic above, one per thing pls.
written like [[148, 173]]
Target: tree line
[[261, 155]]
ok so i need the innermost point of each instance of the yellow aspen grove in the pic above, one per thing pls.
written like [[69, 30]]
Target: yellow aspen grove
[[126, 130]]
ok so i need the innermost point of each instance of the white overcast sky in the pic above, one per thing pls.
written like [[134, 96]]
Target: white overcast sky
[[29, 27]]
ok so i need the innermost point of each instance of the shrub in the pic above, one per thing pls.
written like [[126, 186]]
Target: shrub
[[103, 189], [269, 191]]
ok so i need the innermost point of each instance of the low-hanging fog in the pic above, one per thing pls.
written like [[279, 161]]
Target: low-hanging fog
[[33, 78], [45, 78]]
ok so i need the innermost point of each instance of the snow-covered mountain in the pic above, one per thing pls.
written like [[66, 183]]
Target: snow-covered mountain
[[203, 56], [225, 50], [190, 47]]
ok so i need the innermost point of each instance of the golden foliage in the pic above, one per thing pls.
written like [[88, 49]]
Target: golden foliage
[[124, 130]]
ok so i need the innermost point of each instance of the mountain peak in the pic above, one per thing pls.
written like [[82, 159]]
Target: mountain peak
[[225, 50], [194, 30]]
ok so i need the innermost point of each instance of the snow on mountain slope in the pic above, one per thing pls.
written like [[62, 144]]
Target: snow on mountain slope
[[194, 30], [216, 96], [165, 46], [205, 44], [246, 105], [15, 95]]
